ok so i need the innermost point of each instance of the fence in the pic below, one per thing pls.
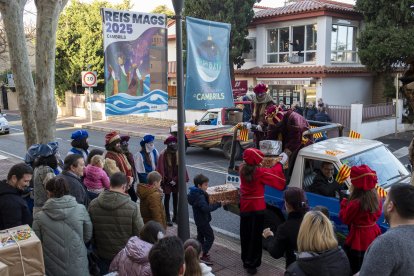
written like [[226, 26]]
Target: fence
[[340, 114], [375, 111]]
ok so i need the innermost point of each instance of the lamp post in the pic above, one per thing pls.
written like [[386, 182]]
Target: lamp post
[[182, 220]]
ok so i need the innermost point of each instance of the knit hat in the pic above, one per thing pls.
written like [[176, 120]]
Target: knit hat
[[253, 156], [125, 138], [362, 177], [112, 137], [260, 88], [148, 138], [79, 134], [275, 113], [170, 139]]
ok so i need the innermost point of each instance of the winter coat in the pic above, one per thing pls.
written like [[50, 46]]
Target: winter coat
[[284, 241], [13, 208], [322, 117], [310, 113], [321, 186], [151, 205], [95, 178], [198, 199], [41, 175], [363, 224], [133, 259], [333, 262], [252, 194], [206, 270], [63, 226], [76, 187], [115, 219]]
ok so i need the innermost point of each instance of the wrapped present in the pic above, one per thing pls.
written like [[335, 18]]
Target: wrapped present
[[21, 251], [226, 192], [270, 147], [269, 162], [4, 270]]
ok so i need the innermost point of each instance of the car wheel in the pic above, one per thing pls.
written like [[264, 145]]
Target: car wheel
[[227, 149], [205, 148], [7, 132]]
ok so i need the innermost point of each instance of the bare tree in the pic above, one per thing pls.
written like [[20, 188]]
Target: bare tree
[[12, 13]]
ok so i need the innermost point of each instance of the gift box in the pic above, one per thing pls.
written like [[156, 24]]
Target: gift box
[[21, 251], [4, 270], [226, 192], [270, 147], [270, 161]]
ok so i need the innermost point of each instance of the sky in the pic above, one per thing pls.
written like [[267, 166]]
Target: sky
[[149, 5]]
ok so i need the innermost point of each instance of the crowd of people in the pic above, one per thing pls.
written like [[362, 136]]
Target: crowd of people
[[107, 212]]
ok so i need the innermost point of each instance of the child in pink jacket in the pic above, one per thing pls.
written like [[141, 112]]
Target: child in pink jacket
[[95, 178]]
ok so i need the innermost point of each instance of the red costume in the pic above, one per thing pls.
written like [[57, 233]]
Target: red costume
[[362, 223], [120, 159], [252, 205]]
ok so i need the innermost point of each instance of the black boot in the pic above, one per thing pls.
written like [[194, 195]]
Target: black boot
[[167, 209]]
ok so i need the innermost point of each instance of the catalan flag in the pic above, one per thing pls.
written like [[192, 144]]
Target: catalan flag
[[354, 135], [244, 134], [316, 135], [381, 192], [343, 173]]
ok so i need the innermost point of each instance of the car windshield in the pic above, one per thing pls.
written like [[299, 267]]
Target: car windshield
[[389, 169]]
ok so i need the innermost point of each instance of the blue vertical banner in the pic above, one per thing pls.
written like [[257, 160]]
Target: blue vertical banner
[[208, 82]]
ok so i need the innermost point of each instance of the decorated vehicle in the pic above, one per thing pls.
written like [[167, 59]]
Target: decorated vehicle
[[338, 151], [215, 130], [4, 124]]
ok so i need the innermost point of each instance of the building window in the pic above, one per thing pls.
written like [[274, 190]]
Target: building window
[[252, 53], [343, 46], [299, 41]]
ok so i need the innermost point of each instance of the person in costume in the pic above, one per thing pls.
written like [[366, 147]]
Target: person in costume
[[129, 155], [252, 204], [261, 101], [115, 153], [146, 159], [288, 127], [168, 167], [361, 212], [79, 143]]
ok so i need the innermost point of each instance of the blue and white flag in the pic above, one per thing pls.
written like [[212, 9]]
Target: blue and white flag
[[208, 82]]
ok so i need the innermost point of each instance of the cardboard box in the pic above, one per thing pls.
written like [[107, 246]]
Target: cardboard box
[[4, 270], [270, 147], [29, 258], [226, 192]]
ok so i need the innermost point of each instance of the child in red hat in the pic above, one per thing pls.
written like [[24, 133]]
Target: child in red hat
[[252, 204], [361, 213]]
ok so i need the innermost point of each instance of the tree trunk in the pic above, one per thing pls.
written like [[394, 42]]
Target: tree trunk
[[12, 12], [48, 12]]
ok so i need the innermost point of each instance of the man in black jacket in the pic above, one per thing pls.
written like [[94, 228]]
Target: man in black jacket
[[324, 182], [72, 173], [13, 208]]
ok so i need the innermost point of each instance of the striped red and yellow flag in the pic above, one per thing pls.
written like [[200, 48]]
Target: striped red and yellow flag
[[381, 192], [343, 173], [354, 135], [316, 135], [244, 134]]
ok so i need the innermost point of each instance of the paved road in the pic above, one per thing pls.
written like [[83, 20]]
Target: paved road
[[211, 163]]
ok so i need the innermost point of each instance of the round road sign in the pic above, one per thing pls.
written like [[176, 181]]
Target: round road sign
[[89, 78]]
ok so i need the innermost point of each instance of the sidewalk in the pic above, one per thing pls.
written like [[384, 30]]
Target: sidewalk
[[225, 252], [138, 126]]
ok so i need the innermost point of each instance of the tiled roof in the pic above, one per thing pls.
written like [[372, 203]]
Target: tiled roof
[[303, 6], [304, 71]]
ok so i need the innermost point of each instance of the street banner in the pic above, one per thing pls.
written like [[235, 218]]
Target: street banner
[[208, 82], [135, 46]]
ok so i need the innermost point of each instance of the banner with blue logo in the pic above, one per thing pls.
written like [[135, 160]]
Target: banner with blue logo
[[208, 82], [135, 46]]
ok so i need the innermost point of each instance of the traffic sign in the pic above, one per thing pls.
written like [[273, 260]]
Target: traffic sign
[[89, 79]]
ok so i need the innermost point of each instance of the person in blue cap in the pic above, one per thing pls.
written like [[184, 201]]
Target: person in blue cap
[[146, 160], [79, 143]]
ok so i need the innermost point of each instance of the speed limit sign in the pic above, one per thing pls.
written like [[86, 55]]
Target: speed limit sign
[[89, 79]]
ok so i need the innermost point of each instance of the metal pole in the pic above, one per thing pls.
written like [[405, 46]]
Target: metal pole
[[182, 220], [90, 102], [396, 104]]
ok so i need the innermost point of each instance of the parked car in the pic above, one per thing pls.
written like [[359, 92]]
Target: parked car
[[4, 124]]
